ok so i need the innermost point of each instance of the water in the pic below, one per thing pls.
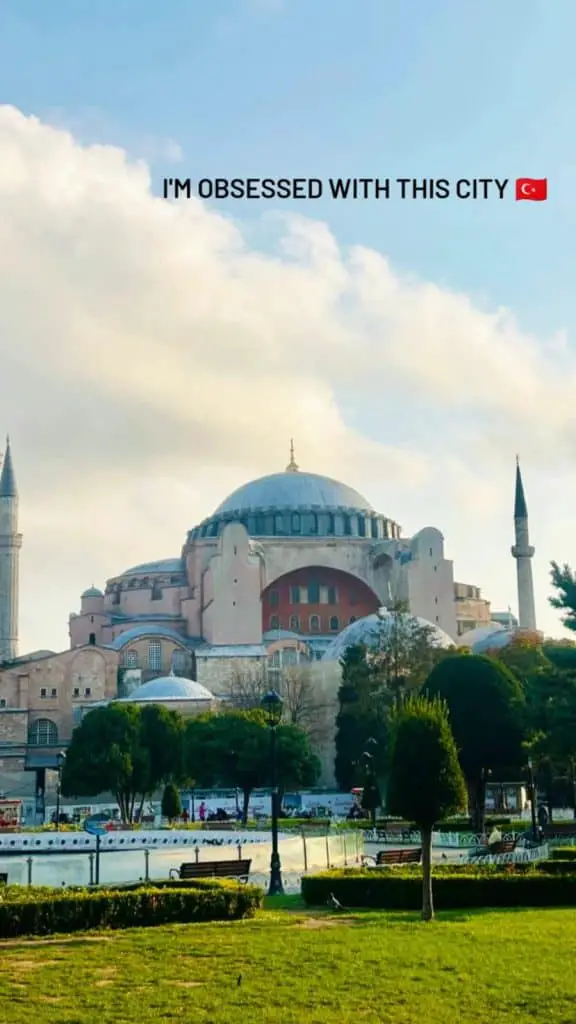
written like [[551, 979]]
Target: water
[[298, 855]]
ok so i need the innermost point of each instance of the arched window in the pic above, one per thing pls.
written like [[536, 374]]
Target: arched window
[[274, 622], [43, 733], [295, 522], [295, 623], [92, 639], [130, 659], [156, 594], [154, 655], [314, 623], [334, 624]]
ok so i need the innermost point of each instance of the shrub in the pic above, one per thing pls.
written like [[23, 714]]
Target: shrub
[[394, 889], [557, 867], [38, 911], [564, 853]]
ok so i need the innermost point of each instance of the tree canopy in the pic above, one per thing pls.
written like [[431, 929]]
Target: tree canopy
[[232, 749], [425, 782], [126, 750], [486, 707], [564, 583]]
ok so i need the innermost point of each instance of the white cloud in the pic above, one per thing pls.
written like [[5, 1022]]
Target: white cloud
[[152, 359]]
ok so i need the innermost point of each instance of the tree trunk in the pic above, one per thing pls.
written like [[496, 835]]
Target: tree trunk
[[427, 901], [477, 801], [245, 802], [373, 817]]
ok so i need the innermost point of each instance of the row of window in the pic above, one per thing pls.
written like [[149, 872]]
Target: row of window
[[314, 623], [54, 692], [131, 658], [306, 524], [314, 593]]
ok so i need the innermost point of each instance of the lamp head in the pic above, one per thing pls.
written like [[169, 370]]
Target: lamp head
[[272, 704]]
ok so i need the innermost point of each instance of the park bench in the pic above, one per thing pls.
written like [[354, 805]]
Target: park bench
[[385, 858], [239, 869], [219, 826], [505, 846]]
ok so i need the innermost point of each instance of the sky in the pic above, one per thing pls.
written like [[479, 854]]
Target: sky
[[154, 355]]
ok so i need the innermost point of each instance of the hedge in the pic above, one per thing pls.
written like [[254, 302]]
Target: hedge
[[38, 911], [402, 890], [563, 853]]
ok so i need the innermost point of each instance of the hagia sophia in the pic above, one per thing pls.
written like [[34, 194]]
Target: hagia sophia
[[289, 570]]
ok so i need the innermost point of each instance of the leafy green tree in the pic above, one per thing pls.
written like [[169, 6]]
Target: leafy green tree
[[564, 583], [233, 750], [426, 783], [486, 706], [361, 716], [297, 766], [171, 802], [126, 750]]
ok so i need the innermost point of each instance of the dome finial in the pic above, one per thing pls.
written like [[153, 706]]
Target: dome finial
[[292, 466]]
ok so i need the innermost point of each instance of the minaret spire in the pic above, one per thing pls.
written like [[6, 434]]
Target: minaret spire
[[523, 553], [10, 544], [292, 466]]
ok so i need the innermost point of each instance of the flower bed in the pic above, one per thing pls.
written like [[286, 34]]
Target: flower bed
[[41, 911]]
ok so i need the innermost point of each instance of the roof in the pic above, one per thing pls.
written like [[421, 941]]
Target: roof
[[293, 490], [520, 509], [141, 631], [368, 630], [168, 688], [92, 592], [149, 568], [8, 487]]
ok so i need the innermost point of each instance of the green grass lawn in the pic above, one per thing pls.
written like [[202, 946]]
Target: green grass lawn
[[302, 966]]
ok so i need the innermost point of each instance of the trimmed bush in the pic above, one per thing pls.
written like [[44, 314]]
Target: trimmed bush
[[393, 889], [37, 911], [563, 853], [557, 867]]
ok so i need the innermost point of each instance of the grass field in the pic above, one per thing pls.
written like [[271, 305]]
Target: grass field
[[298, 966]]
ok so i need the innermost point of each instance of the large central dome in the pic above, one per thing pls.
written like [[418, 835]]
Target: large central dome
[[293, 490]]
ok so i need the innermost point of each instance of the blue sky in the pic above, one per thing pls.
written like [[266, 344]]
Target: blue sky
[[329, 88]]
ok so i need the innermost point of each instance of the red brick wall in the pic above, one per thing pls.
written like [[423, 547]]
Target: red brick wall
[[353, 600]]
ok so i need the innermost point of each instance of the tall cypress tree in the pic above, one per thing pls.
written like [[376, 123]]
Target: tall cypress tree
[[360, 719]]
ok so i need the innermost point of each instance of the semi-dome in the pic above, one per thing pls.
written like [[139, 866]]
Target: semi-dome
[[367, 631], [174, 565], [293, 490], [480, 634], [169, 688]]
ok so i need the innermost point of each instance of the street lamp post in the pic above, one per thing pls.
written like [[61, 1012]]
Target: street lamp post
[[533, 801], [272, 705], [61, 757]]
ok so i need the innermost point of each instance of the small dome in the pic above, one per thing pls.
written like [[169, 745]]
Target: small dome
[[494, 641], [368, 630], [167, 688], [92, 592]]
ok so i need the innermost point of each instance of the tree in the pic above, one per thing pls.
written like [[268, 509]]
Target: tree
[[232, 749], [426, 783], [402, 654], [297, 766], [361, 717], [564, 582], [126, 750], [487, 717], [171, 802], [247, 687]]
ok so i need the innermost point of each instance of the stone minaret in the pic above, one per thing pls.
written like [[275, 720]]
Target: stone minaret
[[523, 554], [10, 544]]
